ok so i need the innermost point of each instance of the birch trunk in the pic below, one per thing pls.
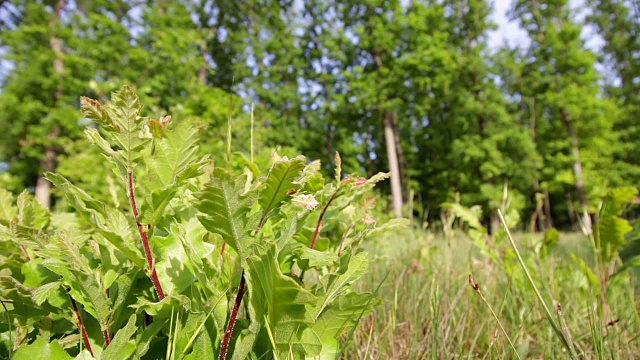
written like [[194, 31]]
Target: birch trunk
[[394, 167], [577, 171], [43, 186]]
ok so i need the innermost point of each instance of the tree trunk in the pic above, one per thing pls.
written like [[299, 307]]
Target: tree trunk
[[402, 166], [542, 214], [537, 217], [43, 186], [392, 156], [548, 219], [202, 72], [570, 210], [577, 170]]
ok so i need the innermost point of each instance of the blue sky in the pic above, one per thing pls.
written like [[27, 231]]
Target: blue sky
[[507, 31], [512, 34]]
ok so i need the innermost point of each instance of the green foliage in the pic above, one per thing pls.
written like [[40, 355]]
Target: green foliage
[[549, 241], [41, 350], [227, 208], [95, 274], [467, 117], [611, 230]]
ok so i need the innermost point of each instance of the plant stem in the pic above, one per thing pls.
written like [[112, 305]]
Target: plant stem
[[105, 334], [145, 241], [324, 210], [553, 324], [232, 319], [476, 287], [24, 252], [80, 325], [565, 328], [344, 237]]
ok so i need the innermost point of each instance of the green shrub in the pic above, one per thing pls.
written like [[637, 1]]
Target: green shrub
[[198, 262]]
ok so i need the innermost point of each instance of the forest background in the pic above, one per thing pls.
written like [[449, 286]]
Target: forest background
[[410, 86]]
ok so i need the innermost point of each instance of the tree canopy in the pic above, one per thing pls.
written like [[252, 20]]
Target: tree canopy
[[413, 87]]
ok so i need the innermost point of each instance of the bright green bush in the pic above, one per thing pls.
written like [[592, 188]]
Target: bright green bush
[[198, 262]]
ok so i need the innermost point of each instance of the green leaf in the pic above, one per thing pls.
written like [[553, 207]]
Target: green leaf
[[336, 283], [165, 308], [85, 290], [174, 268], [129, 131], [281, 180], [80, 277], [317, 259], [123, 110], [174, 153], [120, 294], [281, 301], [31, 213], [391, 225], [84, 355], [549, 241], [226, 210], [469, 215], [41, 350], [122, 346], [631, 263], [616, 199], [93, 110], [611, 231], [148, 335], [172, 164], [113, 156], [584, 268], [338, 318], [152, 209], [7, 210], [203, 347], [42, 293], [25, 311], [104, 222]]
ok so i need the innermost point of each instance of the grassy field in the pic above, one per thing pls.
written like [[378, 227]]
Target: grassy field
[[429, 310]]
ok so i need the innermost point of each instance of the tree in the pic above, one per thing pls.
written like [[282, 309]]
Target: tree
[[618, 23], [36, 103], [573, 123], [490, 148], [387, 60]]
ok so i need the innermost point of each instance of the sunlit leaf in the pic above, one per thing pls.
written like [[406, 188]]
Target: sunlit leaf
[[41, 350], [280, 182], [226, 210]]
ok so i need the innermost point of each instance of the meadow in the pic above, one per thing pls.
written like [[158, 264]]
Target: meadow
[[429, 310], [265, 257]]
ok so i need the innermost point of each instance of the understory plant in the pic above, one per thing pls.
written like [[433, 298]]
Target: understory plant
[[193, 261]]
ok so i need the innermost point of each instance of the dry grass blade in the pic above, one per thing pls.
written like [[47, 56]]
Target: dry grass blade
[[476, 287]]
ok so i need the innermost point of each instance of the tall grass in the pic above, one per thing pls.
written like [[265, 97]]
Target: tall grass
[[429, 311]]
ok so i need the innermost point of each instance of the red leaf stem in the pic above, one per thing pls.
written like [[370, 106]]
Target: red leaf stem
[[107, 340], [145, 242], [80, 326], [232, 319], [324, 210]]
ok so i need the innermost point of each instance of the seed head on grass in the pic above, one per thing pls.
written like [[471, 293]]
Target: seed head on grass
[[476, 288]]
